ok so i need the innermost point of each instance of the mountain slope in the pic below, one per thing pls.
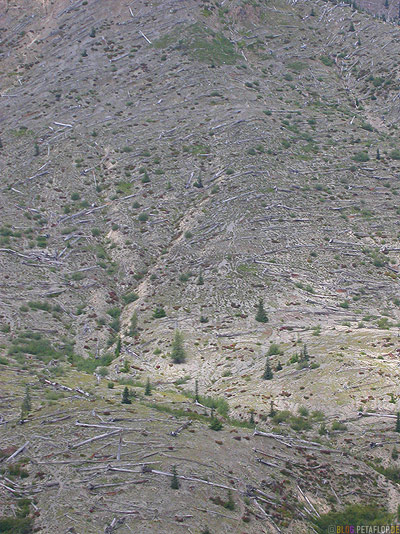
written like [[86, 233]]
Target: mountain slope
[[193, 158]]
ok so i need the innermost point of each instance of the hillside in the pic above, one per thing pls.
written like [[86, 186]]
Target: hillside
[[166, 166]]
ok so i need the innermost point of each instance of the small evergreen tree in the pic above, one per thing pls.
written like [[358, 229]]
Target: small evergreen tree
[[196, 390], [200, 280], [36, 152], [272, 410], [118, 348], [125, 396], [199, 183], [134, 323], [206, 530], [147, 390], [378, 154], [304, 353], [230, 503], [175, 480], [352, 29], [178, 352], [215, 424], [159, 312], [251, 417], [279, 366], [268, 374], [261, 315], [398, 422], [26, 405]]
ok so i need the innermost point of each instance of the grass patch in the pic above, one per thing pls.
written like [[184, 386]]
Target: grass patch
[[33, 343], [89, 365], [355, 515], [201, 43]]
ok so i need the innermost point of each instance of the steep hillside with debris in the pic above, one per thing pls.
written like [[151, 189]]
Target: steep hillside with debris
[[167, 166]]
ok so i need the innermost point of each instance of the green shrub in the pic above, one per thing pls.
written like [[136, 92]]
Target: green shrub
[[89, 365], [361, 157], [303, 411], [327, 61], [356, 515], [178, 354], [41, 348], [337, 425], [130, 297], [273, 350], [299, 423], [16, 525], [281, 416], [216, 424], [159, 313], [38, 305]]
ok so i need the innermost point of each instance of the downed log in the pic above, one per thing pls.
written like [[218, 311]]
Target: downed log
[[266, 515], [261, 461], [296, 442], [191, 479], [102, 427], [119, 447], [371, 414], [308, 501], [182, 427], [96, 438], [98, 486], [109, 529], [53, 421], [18, 451], [66, 388]]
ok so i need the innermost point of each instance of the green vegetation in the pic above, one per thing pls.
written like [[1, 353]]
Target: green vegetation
[[33, 343], [268, 374], [147, 390], [20, 523], [130, 297], [215, 424], [297, 423], [261, 315], [326, 60], [361, 157], [26, 405], [126, 396], [337, 425], [175, 484], [356, 515], [201, 43], [178, 354], [90, 364], [159, 313], [133, 328], [274, 350], [16, 525], [297, 66]]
